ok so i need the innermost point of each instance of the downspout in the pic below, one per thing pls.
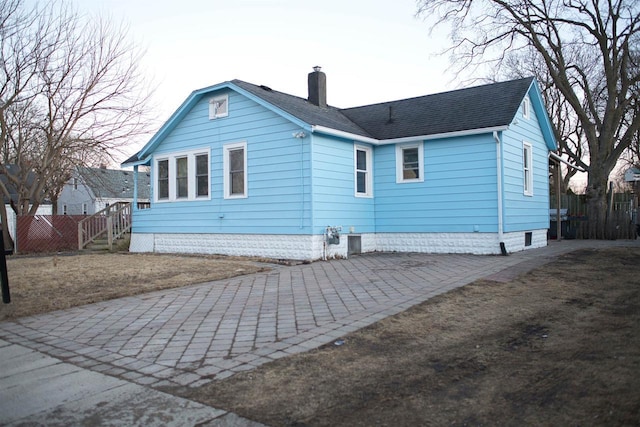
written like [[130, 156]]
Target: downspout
[[503, 248]]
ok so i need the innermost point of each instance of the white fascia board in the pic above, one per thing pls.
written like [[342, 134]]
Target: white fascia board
[[343, 134], [360, 138]]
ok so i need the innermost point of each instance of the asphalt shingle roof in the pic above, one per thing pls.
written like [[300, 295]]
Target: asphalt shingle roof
[[459, 110], [478, 107], [304, 110], [114, 183]]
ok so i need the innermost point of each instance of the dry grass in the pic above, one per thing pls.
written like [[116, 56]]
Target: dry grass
[[557, 346], [40, 284]]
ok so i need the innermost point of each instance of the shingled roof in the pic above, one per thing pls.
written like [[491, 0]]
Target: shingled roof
[[304, 110], [113, 183], [477, 107]]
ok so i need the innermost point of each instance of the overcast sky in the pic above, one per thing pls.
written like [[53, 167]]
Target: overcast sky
[[371, 50]]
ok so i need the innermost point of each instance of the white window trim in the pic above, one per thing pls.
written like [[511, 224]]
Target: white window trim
[[213, 106], [400, 162], [527, 173], [191, 165], [225, 181], [369, 171], [526, 107]]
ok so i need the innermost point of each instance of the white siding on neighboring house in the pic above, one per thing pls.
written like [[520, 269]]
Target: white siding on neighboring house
[[11, 217]]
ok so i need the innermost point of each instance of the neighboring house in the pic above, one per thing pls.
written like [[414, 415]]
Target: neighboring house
[[90, 190], [44, 208], [242, 169]]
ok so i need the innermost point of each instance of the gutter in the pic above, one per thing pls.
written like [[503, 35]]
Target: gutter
[[348, 135], [554, 156], [503, 248]]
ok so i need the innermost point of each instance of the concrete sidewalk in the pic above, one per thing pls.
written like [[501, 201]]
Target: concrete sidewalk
[[105, 363], [36, 389]]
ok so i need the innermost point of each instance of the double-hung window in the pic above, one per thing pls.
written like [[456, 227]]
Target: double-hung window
[[235, 170], [527, 168], [162, 170], [363, 171], [202, 175], [183, 176], [410, 162]]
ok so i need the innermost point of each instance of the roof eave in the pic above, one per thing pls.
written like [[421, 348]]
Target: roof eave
[[373, 141], [191, 100], [543, 117], [140, 162]]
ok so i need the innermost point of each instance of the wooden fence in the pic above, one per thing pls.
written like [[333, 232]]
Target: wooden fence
[[621, 223]]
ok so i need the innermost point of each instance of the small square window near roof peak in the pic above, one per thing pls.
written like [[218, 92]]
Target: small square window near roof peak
[[218, 107], [526, 107]]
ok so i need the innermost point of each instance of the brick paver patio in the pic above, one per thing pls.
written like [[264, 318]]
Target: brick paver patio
[[192, 335]]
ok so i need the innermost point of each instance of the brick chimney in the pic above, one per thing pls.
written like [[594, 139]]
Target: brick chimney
[[317, 87]]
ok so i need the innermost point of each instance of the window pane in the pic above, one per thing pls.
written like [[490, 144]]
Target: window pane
[[236, 160], [202, 175], [236, 171], [237, 182], [361, 160], [163, 179], [361, 182], [202, 164], [410, 163], [182, 177]]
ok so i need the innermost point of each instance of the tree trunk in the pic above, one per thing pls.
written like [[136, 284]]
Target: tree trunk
[[597, 204]]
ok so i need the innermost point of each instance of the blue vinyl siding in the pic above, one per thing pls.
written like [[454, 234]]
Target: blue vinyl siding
[[301, 186], [334, 200], [278, 179], [458, 192], [523, 212]]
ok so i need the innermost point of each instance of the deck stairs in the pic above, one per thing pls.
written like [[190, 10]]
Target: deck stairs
[[102, 230]]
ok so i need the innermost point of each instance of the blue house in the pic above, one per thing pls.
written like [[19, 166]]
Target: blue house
[[242, 169]]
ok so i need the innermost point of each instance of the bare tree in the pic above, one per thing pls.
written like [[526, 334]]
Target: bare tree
[[567, 128], [70, 91], [589, 48]]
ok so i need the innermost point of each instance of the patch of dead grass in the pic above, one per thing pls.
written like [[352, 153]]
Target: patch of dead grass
[[40, 284]]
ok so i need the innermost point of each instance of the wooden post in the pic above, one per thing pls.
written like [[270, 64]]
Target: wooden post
[[110, 231], [80, 236]]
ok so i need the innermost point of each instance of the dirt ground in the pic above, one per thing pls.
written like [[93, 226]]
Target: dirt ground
[[557, 346], [39, 284]]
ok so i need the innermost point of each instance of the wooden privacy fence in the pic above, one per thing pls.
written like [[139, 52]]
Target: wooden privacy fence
[[621, 216], [47, 233]]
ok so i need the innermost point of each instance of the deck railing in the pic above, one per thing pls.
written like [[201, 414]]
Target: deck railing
[[111, 222]]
